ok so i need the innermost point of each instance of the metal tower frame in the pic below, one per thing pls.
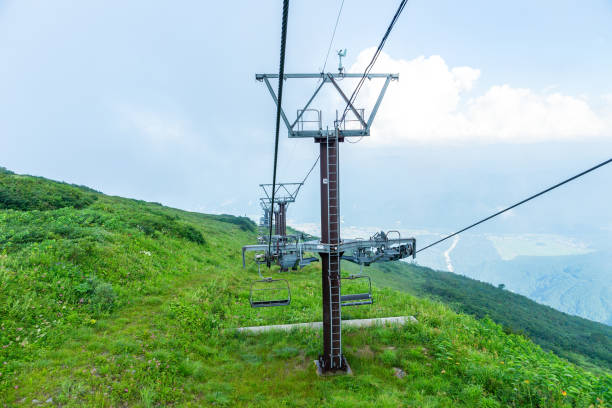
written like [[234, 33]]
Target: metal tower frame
[[331, 247], [298, 131], [284, 194]]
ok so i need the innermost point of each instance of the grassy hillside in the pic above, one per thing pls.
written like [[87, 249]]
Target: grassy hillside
[[580, 340], [122, 302]]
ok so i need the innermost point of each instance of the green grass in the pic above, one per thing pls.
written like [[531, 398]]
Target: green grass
[[123, 302], [581, 341]]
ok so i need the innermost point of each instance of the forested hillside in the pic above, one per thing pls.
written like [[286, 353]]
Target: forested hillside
[[106, 301]]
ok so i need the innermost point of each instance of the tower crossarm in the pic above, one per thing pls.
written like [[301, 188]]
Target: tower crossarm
[[322, 75], [288, 251], [369, 251], [356, 245], [284, 193], [295, 129]]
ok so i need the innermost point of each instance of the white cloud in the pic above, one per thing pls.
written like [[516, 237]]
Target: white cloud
[[465, 77], [155, 127], [432, 103], [227, 202]]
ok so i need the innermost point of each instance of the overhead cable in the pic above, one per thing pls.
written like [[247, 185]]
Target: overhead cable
[[517, 204], [332, 37], [281, 75], [311, 169], [374, 58]]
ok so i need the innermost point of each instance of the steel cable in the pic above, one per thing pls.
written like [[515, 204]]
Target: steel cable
[[374, 58], [281, 75], [311, 169], [332, 37], [517, 204]]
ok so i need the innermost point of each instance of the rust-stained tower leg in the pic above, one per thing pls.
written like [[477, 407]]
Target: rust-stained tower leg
[[332, 359]]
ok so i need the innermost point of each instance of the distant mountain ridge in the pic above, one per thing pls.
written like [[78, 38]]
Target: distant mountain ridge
[[578, 284]]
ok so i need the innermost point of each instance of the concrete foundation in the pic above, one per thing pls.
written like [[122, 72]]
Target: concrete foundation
[[381, 321]]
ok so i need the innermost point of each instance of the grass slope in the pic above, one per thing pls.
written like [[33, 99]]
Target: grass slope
[[579, 340], [122, 302]]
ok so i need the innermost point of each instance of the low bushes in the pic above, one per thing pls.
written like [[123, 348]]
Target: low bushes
[[26, 193]]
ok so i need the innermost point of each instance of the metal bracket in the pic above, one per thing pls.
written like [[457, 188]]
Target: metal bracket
[[288, 194], [348, 102], [329, 77], [377, 104], [289, 127]]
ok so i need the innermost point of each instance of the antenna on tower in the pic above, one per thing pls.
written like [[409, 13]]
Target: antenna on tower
[[341, 53]]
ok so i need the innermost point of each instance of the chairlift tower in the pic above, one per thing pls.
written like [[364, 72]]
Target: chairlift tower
[[331, 247], [266, 218], [284, 194]]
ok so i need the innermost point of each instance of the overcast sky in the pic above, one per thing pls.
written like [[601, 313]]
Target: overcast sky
[[157, 101]]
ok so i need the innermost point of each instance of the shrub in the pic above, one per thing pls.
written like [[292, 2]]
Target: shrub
[[98, 295], [190, 233], [151, 223], [245, 223], [26, 193]]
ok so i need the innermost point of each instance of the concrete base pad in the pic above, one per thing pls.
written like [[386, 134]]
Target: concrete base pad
[[320, 373], [381, 321]]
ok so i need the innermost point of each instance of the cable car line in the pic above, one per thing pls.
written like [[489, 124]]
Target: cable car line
[[332, 37], [281, 74], [374, 58], [517, 204], [311, 169]]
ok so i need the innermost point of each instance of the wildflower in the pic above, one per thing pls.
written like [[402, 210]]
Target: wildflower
[[443, 371], [526, 381], [501, 362], [563, 393]]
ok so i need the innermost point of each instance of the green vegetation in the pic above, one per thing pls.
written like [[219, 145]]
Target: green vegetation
[[581, 341], [35, 193], [121, 302]]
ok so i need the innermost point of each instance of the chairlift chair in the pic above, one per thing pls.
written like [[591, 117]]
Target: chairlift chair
[[357, 299], [266, 286]]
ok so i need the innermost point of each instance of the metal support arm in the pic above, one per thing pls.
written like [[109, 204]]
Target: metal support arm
[[280, 107], [328, 77], [348, 102], [378, 101]]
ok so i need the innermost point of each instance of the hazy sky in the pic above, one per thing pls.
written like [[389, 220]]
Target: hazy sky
[[158, 101]]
